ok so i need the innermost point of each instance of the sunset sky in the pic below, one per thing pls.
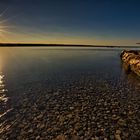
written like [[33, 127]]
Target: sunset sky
[[101, 22]]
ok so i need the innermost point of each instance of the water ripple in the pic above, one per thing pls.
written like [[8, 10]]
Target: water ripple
[[3, 96]]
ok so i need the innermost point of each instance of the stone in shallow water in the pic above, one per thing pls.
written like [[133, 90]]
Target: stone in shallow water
[[40, 116], [60, 137], [74, 137], [122, 122], [117, 137], [30, 131], [115, 117], [71, 108], [69, 115], [118, 132], [38, 137]]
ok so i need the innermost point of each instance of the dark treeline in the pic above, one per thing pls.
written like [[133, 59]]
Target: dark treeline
[[55, 45], [38, 44]]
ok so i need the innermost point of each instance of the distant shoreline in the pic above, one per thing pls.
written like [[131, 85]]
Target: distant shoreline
[[57, 45]]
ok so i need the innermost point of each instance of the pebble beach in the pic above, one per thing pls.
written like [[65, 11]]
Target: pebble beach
[[81, 111]]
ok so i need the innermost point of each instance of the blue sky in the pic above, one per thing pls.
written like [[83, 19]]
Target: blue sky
[[105, 22]]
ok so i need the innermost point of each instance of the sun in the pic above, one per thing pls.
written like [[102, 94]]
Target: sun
[[4, 27]]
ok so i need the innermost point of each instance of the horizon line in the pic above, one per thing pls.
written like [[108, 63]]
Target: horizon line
[[53, 44]]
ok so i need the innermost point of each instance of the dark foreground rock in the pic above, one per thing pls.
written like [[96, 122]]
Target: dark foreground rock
[[131, 61]]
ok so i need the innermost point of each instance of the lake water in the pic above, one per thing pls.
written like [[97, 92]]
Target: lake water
[[28, 66], [24, 70]]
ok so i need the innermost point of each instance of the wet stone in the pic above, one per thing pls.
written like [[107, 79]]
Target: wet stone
[[76, 112]]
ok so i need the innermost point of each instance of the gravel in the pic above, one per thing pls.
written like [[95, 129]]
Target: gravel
[[84, 110]]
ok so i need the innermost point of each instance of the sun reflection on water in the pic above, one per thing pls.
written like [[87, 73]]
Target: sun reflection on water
[[2, 88], [3, 97], [3, 103]]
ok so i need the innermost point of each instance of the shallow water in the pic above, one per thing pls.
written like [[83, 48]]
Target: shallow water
[[22, 68], [29, 69], [28, 65]]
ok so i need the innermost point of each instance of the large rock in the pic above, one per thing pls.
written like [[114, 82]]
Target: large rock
[[131, 61]]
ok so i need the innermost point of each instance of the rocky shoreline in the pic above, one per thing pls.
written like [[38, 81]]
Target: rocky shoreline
[[131, 61], [81, 111]]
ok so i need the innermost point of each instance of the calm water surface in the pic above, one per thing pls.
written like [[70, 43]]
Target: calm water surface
[[24, 69]]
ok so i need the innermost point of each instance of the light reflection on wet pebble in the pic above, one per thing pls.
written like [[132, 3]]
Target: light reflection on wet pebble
[[3, 101]]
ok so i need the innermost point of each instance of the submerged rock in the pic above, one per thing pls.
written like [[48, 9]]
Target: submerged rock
[[131, 61]]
